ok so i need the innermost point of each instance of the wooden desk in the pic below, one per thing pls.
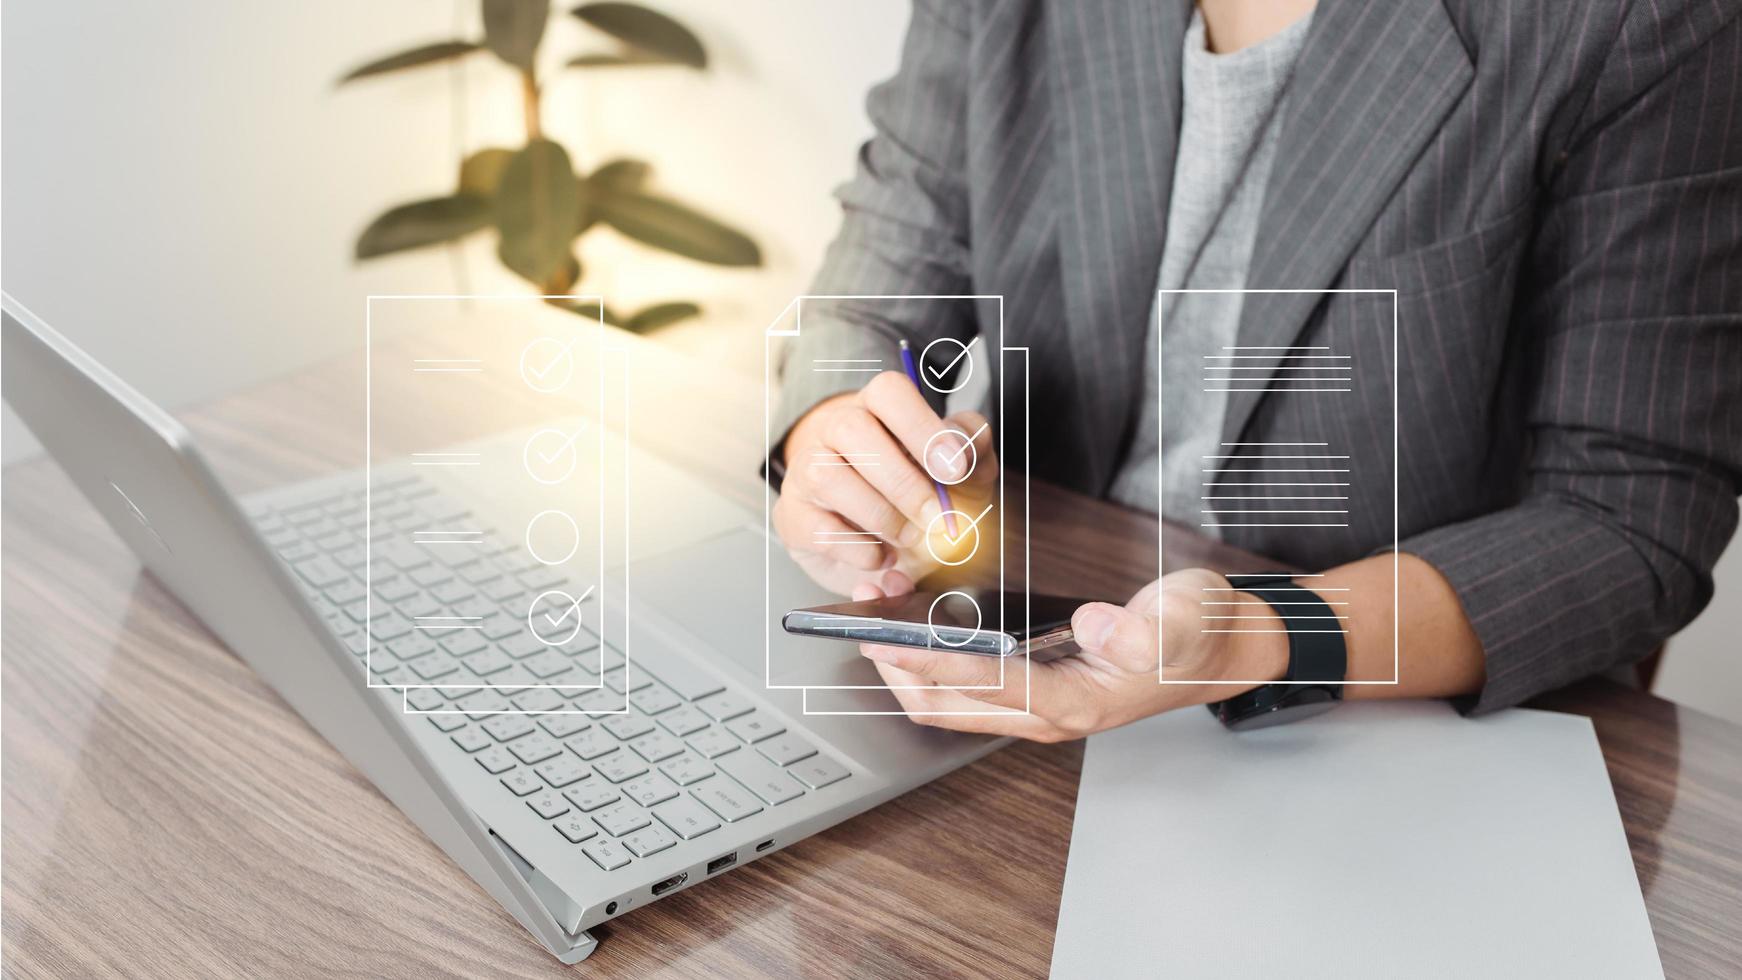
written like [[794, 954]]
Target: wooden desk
[[167, 814]]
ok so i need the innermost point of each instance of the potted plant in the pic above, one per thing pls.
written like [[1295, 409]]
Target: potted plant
[[532, 196]]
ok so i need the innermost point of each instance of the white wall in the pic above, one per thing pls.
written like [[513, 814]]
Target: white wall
[[183, 182]]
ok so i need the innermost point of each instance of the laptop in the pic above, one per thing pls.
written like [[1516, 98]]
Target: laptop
[[621, 773]]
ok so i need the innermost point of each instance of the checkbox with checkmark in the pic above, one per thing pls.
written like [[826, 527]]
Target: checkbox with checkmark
[[550, 455], [547, 364], [951, 354]]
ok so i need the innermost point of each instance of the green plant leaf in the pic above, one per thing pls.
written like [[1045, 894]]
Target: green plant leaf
[[631, 60], [651, 32], [672, 226], [427, 54], [660, 315], [588, 310], [481, 173], [423, 223], [536, 209], [513, 28], [621, 176]]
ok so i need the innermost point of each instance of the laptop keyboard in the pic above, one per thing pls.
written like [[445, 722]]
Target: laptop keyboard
[[687, 756]]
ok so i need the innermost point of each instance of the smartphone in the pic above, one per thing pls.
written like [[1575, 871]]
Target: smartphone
[[982, 622]]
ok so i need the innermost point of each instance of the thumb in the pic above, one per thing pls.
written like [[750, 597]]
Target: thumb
[[1124, 638]]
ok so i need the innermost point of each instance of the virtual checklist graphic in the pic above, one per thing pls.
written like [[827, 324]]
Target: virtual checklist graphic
[[976, 534], [486, 552], [1259, 451]]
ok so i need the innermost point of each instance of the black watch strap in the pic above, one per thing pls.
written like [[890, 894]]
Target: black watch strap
[[1316, 650], [1318, 658]]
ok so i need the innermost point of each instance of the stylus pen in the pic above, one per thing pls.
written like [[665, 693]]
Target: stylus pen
[[943, 495]]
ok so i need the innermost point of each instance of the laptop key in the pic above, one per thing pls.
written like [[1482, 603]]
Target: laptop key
[[447, 723], [686, 769], [545, 665], [621, 818], [436, 665], [755, 727], [464, 642], [576, 828], [722, 707], [521, 783], [623, 680], [562, 726], [785, 749], [607, 854], [819, 771], [619, 767], [653, 699], [762, 777], [504, 630], [656, 746], [591, 744], [549, 805], [712, 743], [538, 700], [691, 684], [344, 592], [649, 840], [505, 728], [627, 727], [564, 770], [471, 739], [494, 759], [727, 799], [423, 699], [535, 748], [516, 642], [649, 790], [590, 795], [486, 663], [686, 818], [681, 721], [321, 572]]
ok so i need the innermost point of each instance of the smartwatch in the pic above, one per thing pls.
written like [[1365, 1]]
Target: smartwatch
[[1318, 659]]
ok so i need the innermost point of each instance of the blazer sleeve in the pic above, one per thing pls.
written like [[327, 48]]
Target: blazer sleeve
[[1632, 299], [904, 231]]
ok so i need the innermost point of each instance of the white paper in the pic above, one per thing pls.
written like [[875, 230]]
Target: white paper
[[1379, 840]]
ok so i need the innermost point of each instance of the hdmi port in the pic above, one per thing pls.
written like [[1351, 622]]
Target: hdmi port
[[670, 883]]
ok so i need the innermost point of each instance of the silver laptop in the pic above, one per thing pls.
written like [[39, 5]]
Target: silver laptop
[[592, 791]]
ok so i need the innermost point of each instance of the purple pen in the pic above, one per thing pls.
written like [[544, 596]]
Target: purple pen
[[943, 494]]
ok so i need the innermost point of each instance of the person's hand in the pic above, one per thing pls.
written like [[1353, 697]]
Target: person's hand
[[856, 502], [1114, 680]]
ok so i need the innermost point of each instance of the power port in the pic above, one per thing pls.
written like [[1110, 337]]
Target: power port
[[611, 909], [765, 845], [670, 883], [722, 862]]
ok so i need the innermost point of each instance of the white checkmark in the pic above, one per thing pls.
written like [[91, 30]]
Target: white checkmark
[[559, 620], [566, 445], [946, 369], [951, 458], [539, 373], [973, 524]]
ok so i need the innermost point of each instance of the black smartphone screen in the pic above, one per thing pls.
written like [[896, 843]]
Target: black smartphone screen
[[985, 622]]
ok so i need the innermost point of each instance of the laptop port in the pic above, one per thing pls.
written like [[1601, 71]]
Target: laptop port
[[722, 862], [611, 909], [670, 883], [765, 845]]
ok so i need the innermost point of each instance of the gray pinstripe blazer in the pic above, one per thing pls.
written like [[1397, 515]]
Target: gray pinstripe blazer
[[1554, 190]]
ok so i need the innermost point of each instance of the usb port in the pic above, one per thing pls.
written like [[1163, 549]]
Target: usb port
[[765, 845], [722, 862]]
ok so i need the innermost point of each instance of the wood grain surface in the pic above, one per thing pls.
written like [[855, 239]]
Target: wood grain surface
[[166, 814]]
